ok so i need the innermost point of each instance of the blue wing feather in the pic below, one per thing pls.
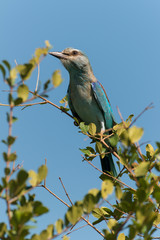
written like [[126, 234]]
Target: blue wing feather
[[103, 102]]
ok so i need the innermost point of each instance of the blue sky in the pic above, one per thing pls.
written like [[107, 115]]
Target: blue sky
[[122, 41]]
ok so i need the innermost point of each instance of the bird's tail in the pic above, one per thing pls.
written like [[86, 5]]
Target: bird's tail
[[108, 164]]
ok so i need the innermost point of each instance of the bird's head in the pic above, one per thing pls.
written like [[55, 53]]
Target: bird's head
[[73, 60]]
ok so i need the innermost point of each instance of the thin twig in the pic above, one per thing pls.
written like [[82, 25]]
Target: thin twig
[[90, 224], [122, 225], [116, 179], [8, 163], [24, 193], [47, 101], [117, 208], [128, 168], [23, 105], [77, 229], [37, 78], [65, 191], [150, 106], [45, 177]]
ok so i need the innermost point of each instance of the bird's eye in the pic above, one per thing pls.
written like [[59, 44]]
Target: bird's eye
[[74, 53]]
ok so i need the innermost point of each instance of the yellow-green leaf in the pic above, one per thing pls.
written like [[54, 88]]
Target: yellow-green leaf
[[157, 221], [42, 172], [56, 78], [99, 212], [135, 134], [64, 100], [48, 45], [50, 230], [118, 191], [89, 203], [92, 128], [121, 236], [34, 178], [74, 213], [111, 223], [150, 149], [94, 191], [13, 73], [23, 92], [107, 188], [25, 70], [59, 225], [65, 237], [142, 169]]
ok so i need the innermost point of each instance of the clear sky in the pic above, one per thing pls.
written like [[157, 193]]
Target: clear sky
[[122, 41]]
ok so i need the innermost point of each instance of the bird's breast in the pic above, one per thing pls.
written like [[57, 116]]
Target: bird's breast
[[85, 105]]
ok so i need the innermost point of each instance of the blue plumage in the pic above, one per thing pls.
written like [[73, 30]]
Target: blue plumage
[[87, 98]]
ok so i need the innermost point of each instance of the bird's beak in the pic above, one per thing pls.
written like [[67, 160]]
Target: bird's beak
[[58, 55]]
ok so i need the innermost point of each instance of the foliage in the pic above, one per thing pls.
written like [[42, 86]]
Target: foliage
[[135, 209]]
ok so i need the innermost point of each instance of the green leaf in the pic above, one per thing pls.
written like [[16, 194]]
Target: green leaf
[[111, 223], [85, 151], [18, 101], [157, 221], [156, 194], [84, 128], [12, 157], [10, 140], [23, 92], [39, 209], [135, 134], [42, 172], [149, 150], [5, 156], [6, 63], [3, 229], [10, 99], [3, 71], [89, 203], [7, 171], [114, 140], [56, 78], [46, 84], [14, 119], [36, 237], [107, 188], [74, 213], [141, 194], [64, 109], [59, 226], [96, 193], [142, 169], [22, 176], [44, 235], [92, 129], [99, 212], [25, 70], [121, 236], [100, 149]]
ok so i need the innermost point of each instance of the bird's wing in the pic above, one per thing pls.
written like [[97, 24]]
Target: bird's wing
[[71, 106], [104, 103]]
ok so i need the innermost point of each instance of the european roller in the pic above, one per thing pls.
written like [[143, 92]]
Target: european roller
[[87, 98]]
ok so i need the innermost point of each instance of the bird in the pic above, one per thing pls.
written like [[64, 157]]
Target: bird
[[87, 98]]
